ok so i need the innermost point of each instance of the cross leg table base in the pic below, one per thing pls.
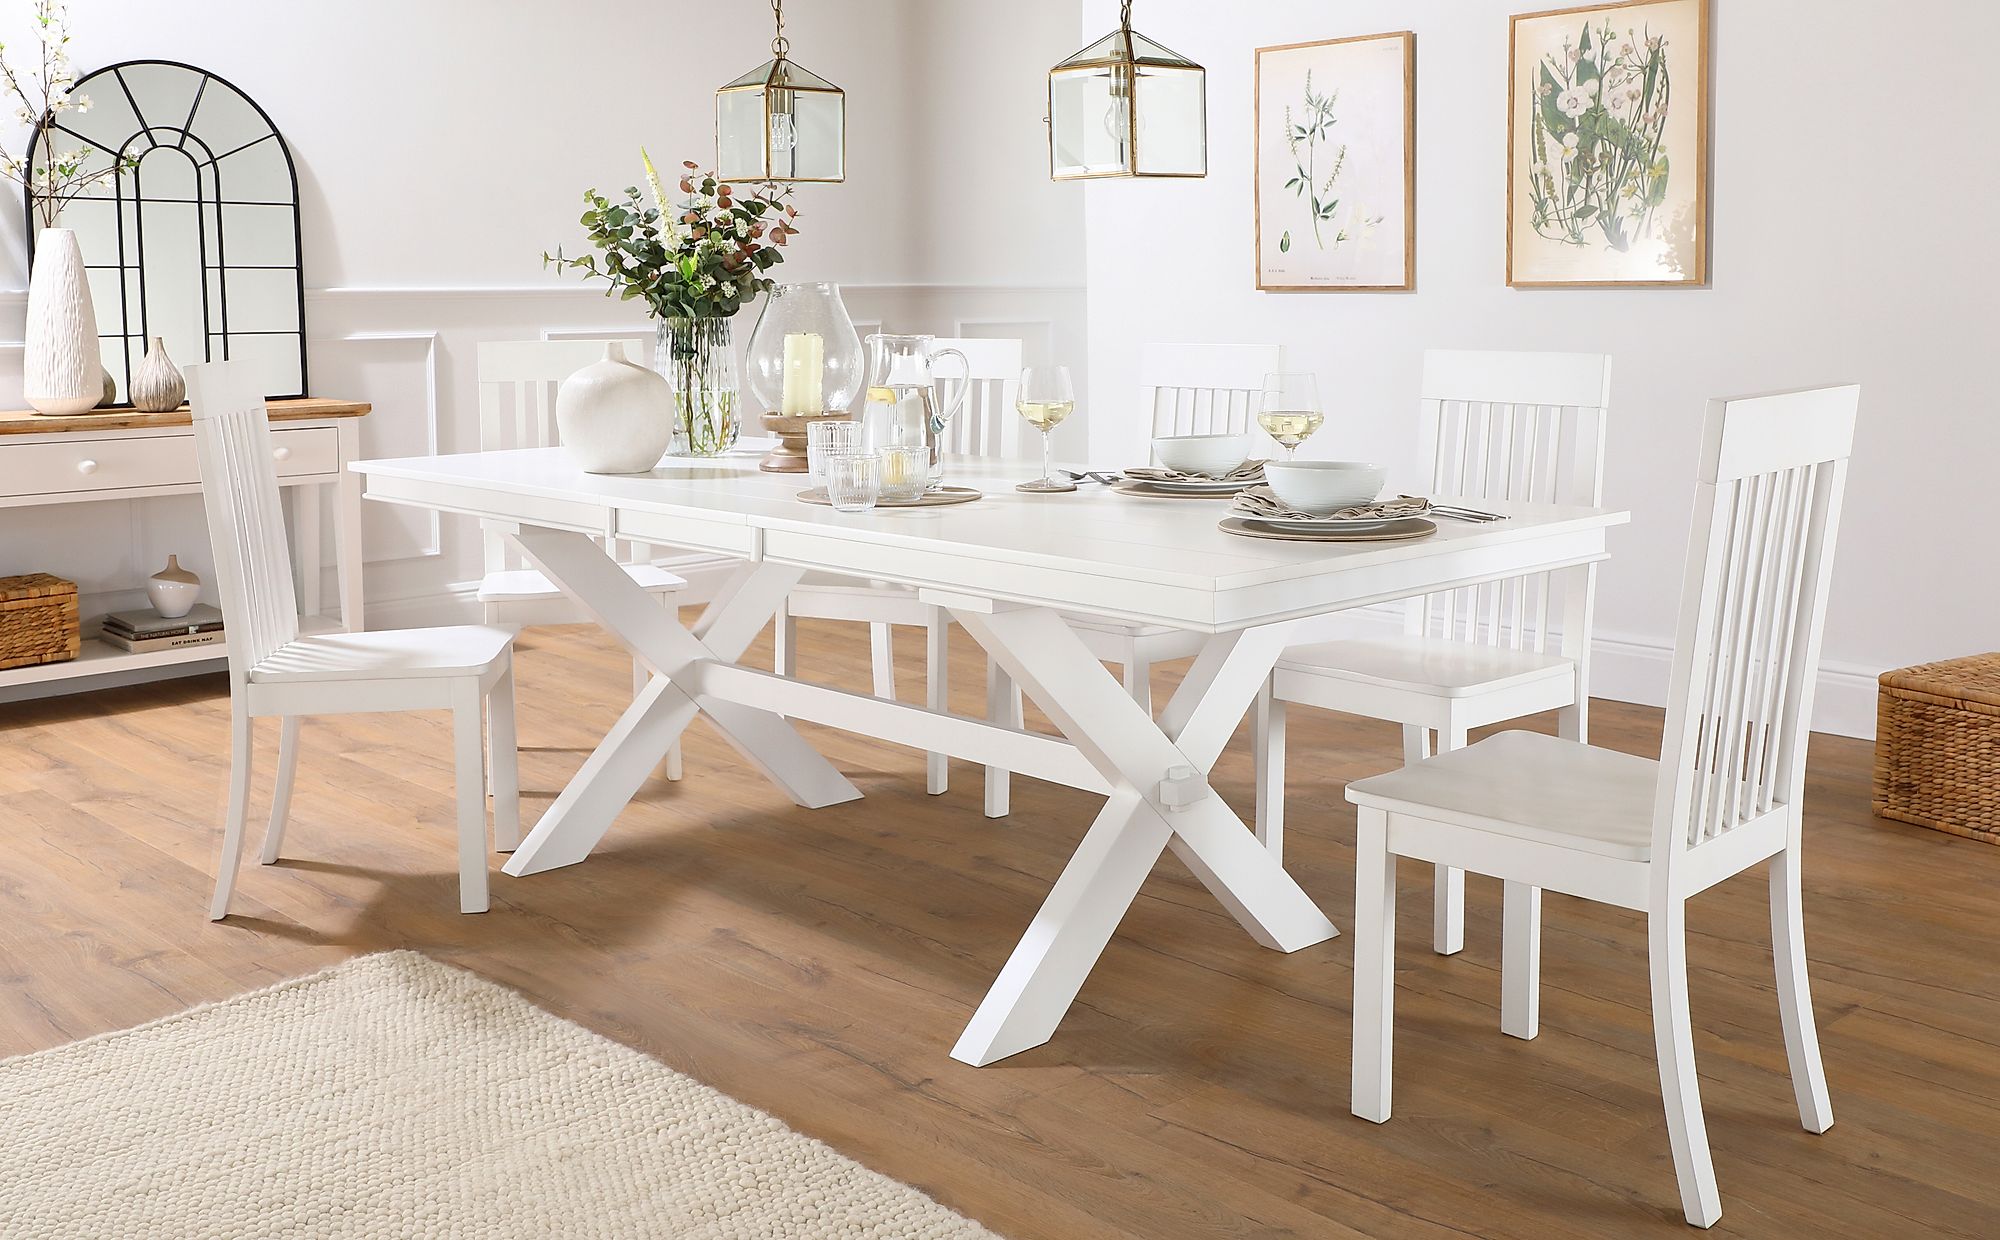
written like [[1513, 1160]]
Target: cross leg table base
[[660, 711], [1160, 798]]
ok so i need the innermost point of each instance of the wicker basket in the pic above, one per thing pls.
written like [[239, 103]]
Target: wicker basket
[[1937, 746], [38, 620]]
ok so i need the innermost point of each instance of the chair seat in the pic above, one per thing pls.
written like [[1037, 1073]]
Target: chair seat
[[1435, 666], [1530, 787], [389, 654], [527, 585]]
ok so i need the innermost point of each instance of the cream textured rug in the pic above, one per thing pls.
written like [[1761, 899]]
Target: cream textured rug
[[395, 1096]]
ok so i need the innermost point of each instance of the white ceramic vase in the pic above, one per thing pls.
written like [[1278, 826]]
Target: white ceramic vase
[[157, 385], [615, 416], [173, 590], [62, 371]]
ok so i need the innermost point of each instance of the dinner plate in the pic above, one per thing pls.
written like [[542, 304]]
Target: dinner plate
[[1307, 525], [1398, 530], [1132, 486], [1206, 486]]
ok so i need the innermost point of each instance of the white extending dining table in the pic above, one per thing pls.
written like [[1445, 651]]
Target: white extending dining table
[[1007, 567]]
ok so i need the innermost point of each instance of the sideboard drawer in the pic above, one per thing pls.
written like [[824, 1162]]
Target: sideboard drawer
[[314, 450], [97, 465]]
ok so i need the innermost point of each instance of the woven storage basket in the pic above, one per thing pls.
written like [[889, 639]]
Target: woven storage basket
[[38, 621], [1937, 746]]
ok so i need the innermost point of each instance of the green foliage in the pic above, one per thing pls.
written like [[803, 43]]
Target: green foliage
[[703, 256], [1599, 123]]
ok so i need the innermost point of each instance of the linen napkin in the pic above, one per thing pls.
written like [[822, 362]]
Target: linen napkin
[[1262, 501], [1248, 471]]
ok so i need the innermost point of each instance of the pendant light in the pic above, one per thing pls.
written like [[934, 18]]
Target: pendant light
[[780, 121], [1127, 107]]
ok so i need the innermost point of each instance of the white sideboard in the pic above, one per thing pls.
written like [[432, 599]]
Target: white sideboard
[[124, 454]]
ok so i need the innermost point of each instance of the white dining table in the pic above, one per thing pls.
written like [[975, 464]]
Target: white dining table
[[1008, 568]]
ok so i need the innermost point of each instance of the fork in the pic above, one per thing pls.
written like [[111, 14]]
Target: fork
[[1467, 514]]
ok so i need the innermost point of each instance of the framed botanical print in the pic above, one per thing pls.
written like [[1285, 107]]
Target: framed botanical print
[[1336, 171], [1607, 145]]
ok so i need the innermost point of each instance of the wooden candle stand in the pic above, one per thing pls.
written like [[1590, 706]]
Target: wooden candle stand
[[789, 457]]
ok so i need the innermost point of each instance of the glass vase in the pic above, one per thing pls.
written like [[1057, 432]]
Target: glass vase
[[699, 362]]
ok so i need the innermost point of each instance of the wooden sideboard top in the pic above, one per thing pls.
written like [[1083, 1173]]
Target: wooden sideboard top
[[290, 409]]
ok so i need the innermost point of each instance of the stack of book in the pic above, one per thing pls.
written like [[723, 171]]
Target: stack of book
[[145, 630]]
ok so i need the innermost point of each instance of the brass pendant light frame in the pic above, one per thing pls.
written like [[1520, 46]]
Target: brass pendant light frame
[[1125, 68], [771, 80]]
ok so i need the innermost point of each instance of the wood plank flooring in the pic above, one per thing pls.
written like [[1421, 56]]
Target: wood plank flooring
[[819, 965]]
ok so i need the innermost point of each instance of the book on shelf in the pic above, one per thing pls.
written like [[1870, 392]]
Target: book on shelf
[[166, 641], [146, 623]]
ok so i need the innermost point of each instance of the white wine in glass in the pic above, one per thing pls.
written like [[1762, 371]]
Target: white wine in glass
[[1291, 410], [1046, 398]]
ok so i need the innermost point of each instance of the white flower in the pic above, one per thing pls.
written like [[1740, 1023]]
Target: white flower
[[1575, 101], [80, 102], [1570, 142]]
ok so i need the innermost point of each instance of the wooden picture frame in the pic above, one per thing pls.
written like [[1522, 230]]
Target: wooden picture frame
[[1362, 216], [1628, 205]]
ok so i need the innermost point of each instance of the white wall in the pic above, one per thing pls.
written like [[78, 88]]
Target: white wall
[[1851, 242], [443, 145]]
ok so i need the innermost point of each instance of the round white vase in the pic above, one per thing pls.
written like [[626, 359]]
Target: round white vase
[[173, 590], [62, 370], [615, 416]]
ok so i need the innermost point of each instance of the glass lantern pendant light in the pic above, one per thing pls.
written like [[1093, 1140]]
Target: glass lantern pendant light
[[1127, 107], [780, 121]]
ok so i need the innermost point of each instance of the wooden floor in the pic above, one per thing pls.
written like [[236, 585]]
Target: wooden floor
[[820, 964]]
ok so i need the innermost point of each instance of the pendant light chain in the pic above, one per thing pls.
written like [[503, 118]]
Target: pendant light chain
[[780, 45]]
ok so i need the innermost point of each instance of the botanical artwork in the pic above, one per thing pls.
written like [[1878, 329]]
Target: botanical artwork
[[1608, 133], [1335, 180]]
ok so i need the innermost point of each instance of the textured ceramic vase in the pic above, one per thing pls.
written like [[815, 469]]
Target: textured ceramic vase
[[157, 385], [173, 589], [62, 371], [615, 416], [110, 390]]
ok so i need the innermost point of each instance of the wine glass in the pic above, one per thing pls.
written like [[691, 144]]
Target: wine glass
[[1045, 399], [1291, 410]]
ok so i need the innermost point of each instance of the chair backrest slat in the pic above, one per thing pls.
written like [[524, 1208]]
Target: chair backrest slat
[[987, 424], [246, 523], [518, 380], [1525, 427], [1205, 389], [1753, 609]]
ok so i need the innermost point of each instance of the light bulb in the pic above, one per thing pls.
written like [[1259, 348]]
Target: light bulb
[[784, 132]]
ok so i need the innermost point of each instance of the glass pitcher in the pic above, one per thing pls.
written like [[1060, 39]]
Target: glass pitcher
[[903, 406]]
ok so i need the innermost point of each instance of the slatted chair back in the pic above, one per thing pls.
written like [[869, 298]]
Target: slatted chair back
[[987, 424], [1513, 426], [1205, 389], [518, 380], [1753, 607], [246, 523]]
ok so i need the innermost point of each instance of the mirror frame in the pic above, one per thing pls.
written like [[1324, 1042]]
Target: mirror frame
[[126, 194]]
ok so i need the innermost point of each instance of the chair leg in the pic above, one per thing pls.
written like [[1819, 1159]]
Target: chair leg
[[503, 762], [1374, 964], [1521, 962], [1788, 943], [1139, 682], [470, 768], [1270, 757], [241, 750], [937, 693], [882, 659], [785, 642], [1003, 706], [1448, 882], [1673, 1044], [281, 795]]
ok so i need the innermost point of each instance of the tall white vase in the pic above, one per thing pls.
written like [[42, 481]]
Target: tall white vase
[[61, 370]]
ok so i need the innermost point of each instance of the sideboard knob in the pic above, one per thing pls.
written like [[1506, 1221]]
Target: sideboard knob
[[281, 454], [86, 467]]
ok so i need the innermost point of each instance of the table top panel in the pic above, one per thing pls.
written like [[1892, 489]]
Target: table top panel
[[1164, 541]]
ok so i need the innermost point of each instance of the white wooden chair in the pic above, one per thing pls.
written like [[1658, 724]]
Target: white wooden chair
[[1496, 426], [273, 670], [987, 425], [517, 409], [1725, 794]]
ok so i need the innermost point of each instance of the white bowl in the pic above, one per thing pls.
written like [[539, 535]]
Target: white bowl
[[1214, 455], [1320, 487]]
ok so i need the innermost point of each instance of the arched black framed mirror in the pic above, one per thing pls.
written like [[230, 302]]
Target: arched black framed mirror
[[197, 241]]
